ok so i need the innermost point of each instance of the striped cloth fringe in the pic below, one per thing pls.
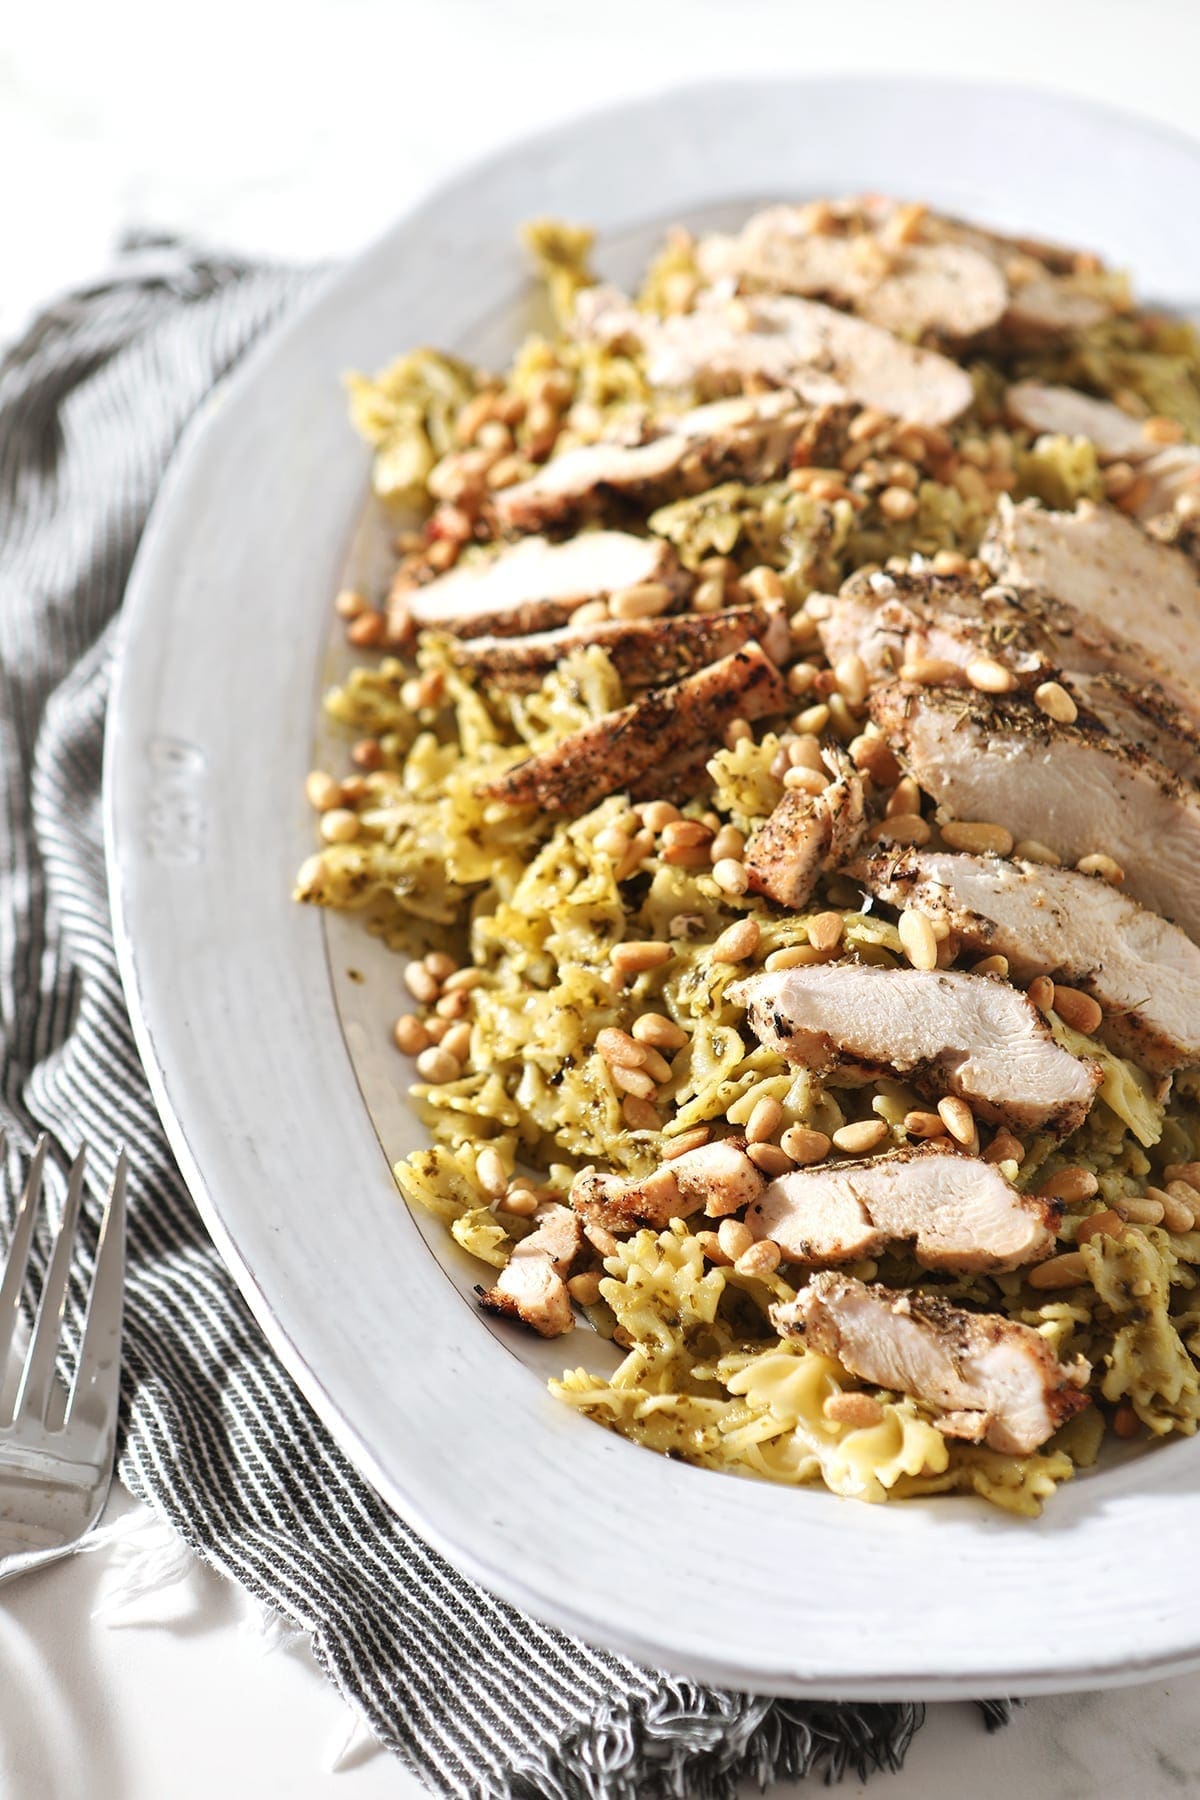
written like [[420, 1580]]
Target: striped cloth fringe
[[475, 1698]]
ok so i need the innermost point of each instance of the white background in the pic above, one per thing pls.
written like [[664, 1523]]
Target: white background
[[298, 132]]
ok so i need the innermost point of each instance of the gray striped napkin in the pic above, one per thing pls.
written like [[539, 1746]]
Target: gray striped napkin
[[475, 1698]]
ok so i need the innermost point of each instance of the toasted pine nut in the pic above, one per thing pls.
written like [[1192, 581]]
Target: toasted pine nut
[[804, 1145], [1033, 852], [321, 791], [905, 828], [687, 1140], [813, 719], [764, 1121], [1041, 992], [612, 841], [990, 676], [1138, 1209], [1052, 698], [859, 1411], [1100, 1224], [437, 1028], [1076, 1009], [772, 1159], [929, 671], [659, 1032], [617, 1047], [1069, 1185], [710, 1245], [760, 1259], [762, 583], [656, 1066], [339, 825], [437, 1065], [367, 630], [602, 1241], [490, 1172], [958, 1119], [656, 815], [709, 596], [800, 677], [440, 965], [1185, 1171], [1185, 1191], [686, 834], [916, 935], [350, 604], [643, 601], [738, 731], [897, 503], [872, 754], [1106, 867], [520, 1201], [921, 1124], [864, 1135], [584, 1288], [367, 755], [737, 942], [825, 930], [641, 846], [1004, 1147], [632, 1081], [1158, 430], [639, 1115], [421, 984], [1067, 1270], [991, 965], [978, 837], [1126, 1423], [796, 956], [730, 875], [808, 781], [1177, 1215], [851, 673], [905, 797], [630, 960], [729, 842], [457, 1042], [409, 1035], [734, 1238]]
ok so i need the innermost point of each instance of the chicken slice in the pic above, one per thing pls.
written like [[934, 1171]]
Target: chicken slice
[[889, 619], [1165, 471], [1103, 563], [532, 1287], [807, 835], [950, 1360], [753, 437], [951, 290], [533, 585], [1062, 411], [1071, 787], [1143, 716], [960, 1213], [946, 1031], [719, 1177], [826, 356], [1144, 972], [644, 652], [621, 749]]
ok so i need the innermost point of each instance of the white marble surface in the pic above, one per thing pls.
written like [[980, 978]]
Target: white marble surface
[[298, 133]]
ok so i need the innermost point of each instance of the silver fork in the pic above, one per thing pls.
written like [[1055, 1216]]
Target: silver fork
[[56, 1448]]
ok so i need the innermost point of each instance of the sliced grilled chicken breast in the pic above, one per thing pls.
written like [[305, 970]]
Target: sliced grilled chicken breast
[[644, 652], [983, 1365], [1062, 411], [1165, 471], [1143, 716], [950, 290], [1074, 787], [719, 1177], [1103, 563], [889, 619], [1144, 972], [532, 1287], [826, 356], [946, 1031], [960, 1213], [622, 748], [533, 585], [807, 835], [751, 437]]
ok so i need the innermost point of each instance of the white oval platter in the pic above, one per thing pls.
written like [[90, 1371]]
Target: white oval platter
[[269, 1060]]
